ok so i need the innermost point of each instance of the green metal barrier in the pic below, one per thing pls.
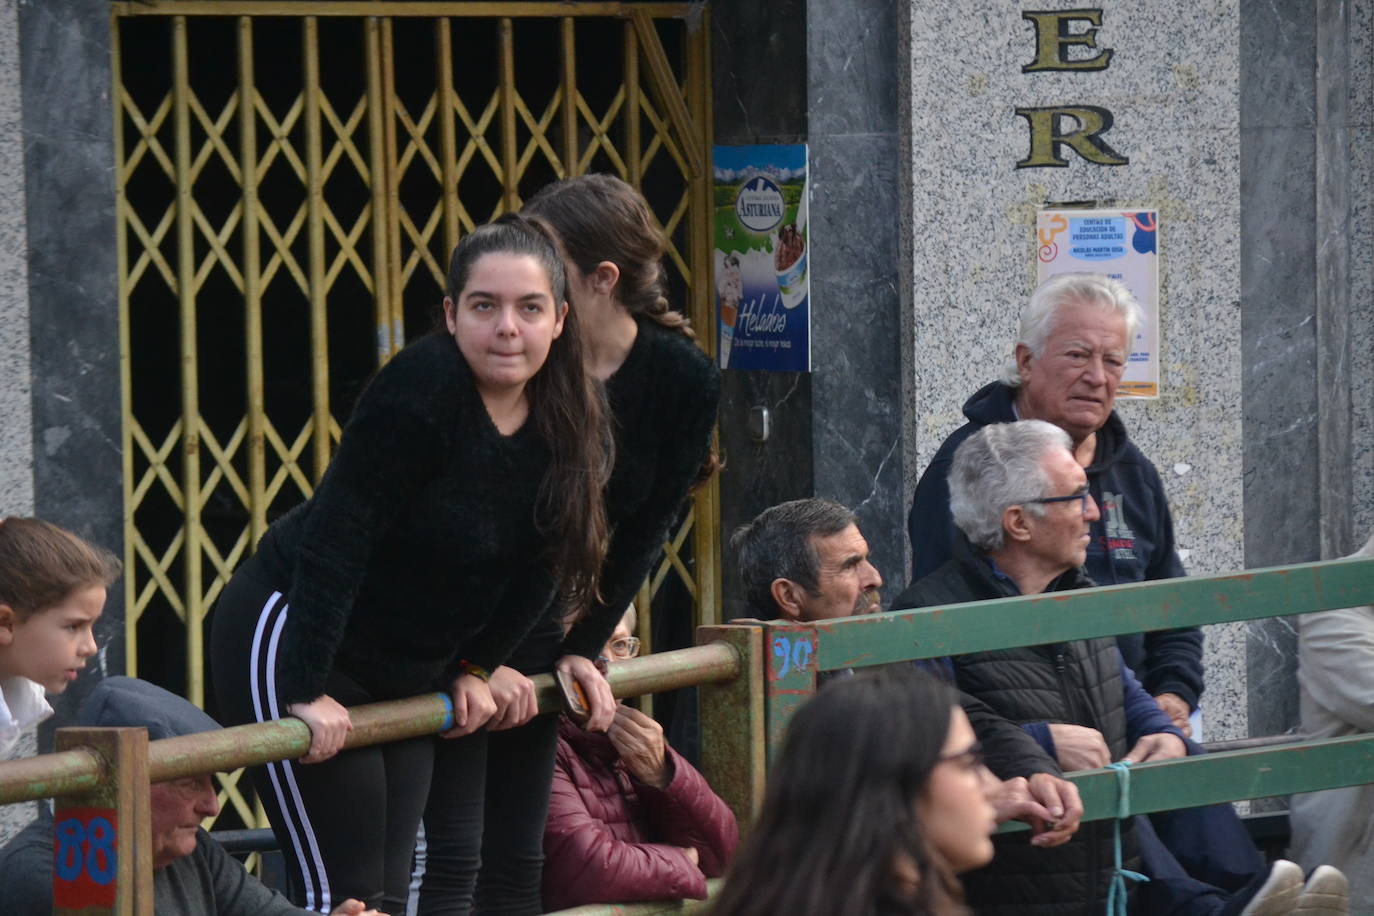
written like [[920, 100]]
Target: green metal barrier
[[796, 652], [754, 674]]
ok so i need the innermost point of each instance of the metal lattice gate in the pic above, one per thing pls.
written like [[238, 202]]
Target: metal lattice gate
[[291, 177]]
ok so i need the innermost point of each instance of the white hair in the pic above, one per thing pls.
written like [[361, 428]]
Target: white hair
[[1059, 291], [1000, 466]]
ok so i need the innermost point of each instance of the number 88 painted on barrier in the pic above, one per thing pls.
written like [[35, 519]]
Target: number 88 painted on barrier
[[98, 859]]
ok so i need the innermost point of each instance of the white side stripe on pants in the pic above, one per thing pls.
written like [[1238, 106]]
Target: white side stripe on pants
[[263, 678]]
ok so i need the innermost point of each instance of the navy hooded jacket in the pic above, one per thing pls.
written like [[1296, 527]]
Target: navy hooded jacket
[[1133, 540]]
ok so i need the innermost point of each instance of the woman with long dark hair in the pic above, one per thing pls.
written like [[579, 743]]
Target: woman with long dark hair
[[876, 800], [662, 391], [465, 494]]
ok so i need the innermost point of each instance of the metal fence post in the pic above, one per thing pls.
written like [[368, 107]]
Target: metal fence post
[[790, 659], [732, 752], [102, 843]]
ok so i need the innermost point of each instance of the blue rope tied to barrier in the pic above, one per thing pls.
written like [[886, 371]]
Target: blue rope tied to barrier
[[1116, 896]]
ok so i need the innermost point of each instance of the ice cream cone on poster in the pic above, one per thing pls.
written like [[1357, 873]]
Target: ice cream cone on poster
[[727, 337], [731, 291]]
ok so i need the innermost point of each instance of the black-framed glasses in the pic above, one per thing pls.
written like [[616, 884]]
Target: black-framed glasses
[[1082, 496], [971, 758]]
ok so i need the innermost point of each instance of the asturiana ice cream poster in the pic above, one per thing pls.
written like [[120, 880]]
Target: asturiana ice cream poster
[[763, 308]]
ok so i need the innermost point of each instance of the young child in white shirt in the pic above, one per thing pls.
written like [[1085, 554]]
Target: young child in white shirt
[[52, 590]]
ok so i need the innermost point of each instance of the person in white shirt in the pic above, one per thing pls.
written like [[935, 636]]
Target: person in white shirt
[[52, 590]]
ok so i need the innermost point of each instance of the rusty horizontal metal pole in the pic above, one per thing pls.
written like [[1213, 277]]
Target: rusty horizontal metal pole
[[716, 661], [286, 739], [708, 664], [52, 775]]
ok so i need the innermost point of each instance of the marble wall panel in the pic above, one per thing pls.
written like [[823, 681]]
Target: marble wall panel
[[1172, 86], [856, 381], [856, 359], [73, 286], [754, 105], [1283, 51]]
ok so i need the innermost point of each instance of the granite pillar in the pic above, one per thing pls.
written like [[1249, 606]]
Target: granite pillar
[[1173, 87], [16, 432], [73, 288], [16, 429], [1360, 146]]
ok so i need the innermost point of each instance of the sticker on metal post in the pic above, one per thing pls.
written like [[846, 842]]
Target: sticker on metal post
[[85, 861], [792, 660]]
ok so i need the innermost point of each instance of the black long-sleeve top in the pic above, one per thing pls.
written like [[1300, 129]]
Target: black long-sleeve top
[[663, 402], [418, 549]]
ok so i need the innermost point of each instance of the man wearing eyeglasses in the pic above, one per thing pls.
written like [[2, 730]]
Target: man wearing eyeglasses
[[1076, 336], [1024, 513], [629, 818]]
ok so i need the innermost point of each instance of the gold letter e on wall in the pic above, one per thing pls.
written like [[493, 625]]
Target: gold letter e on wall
[[1053, 39], [1047, 136]]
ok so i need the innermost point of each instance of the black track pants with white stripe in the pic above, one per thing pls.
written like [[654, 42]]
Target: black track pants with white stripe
[[347, 826]]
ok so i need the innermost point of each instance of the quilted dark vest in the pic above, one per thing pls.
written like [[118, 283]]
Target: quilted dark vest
[[1077, 683]]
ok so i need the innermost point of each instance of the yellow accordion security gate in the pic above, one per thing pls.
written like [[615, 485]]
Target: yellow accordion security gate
[[291, 177]]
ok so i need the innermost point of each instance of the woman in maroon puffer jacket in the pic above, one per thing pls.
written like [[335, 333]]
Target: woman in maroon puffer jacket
[[629, 818]]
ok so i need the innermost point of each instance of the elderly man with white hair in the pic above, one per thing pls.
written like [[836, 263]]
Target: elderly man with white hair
[[1074, 342], [192, 874], [1024, 511]]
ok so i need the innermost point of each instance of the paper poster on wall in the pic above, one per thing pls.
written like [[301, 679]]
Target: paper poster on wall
[[1124, 245], [763, 289]]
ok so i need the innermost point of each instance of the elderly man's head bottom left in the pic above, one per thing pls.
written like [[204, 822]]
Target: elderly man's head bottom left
[[179, 806]]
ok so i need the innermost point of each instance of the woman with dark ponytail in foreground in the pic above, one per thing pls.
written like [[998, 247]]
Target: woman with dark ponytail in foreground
[[877, 799]]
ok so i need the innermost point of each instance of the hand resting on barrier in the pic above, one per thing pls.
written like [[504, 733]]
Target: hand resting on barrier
[[473, 705], [599, 698], [1161, 746], [1078, 747], [513, 693], [329, 726], [1050, 806]]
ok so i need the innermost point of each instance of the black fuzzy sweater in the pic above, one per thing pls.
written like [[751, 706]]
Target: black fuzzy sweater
[[418, 548], [663, 402]]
